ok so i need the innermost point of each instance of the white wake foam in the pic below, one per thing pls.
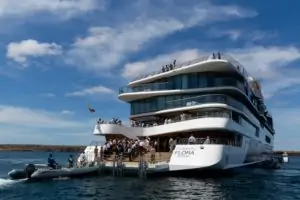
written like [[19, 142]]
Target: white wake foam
[[7, 182]]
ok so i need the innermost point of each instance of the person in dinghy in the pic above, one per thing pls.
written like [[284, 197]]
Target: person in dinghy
[[51, 162], [70, 161]]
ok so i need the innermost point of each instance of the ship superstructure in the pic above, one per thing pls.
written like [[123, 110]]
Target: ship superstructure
[[211, 99]]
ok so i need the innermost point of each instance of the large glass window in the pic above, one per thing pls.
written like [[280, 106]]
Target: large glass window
[[177, 82], [202, 80], [268, 139], [161, 103], [186, 81], [193, 80], [175, 101]]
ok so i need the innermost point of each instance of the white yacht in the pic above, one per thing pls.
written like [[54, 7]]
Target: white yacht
[[212, 98]]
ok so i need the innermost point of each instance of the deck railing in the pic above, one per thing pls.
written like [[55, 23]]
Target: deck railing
[[213, 56], [192, 101], [212, 140], [221, 82]]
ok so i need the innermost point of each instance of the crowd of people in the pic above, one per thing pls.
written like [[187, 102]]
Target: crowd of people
[[161, 121], [129, 147], [172, 66], [168, 67], [122, 148], [112, 121]]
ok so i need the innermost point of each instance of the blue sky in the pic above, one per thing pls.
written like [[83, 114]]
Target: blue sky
[[58, 56]]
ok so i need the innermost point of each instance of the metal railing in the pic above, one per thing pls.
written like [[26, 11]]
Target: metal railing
[[197, 115], [212, 140], [213, 56], [192, 101], [219, 82], [184, 64]]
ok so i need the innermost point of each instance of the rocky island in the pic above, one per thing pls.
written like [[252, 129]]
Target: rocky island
[[47, 148]]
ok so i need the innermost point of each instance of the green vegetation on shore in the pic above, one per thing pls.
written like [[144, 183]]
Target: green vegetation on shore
[[33, 147]]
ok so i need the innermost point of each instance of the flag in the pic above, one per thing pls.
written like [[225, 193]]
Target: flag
[[92, 110]]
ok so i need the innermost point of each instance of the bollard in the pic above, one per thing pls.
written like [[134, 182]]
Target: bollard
[[120, 166], [114, 165], [101, 154], [142, 167]]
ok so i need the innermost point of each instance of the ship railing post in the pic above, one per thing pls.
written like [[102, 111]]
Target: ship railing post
[[120, 165], [114, 164], [101, 154], [142, 166]]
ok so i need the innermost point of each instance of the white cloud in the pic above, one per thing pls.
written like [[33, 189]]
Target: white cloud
[[233, 34], [67, 112], [61, 8], [268, 64], [105, 47], [22, 125], [22, 116], [287, 124], [49, 95], [20, 51], [96, 90], [238, 34], [132, 70]]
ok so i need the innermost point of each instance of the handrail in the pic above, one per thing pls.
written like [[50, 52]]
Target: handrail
[[213, 56], [212, 140], [198, 100], [221, 82], [184, 64], [196, 115]]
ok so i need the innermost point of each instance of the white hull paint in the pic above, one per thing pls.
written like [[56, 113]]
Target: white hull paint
[[212, 157], [209, 156]]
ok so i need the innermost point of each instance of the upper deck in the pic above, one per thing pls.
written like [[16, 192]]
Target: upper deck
[[215, 62]]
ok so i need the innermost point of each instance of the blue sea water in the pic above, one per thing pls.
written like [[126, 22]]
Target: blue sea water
[[282, 184]]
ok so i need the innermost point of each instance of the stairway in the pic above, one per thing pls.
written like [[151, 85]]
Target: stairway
[[159, 157]]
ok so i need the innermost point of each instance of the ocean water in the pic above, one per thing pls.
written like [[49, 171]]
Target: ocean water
[[282, 184]]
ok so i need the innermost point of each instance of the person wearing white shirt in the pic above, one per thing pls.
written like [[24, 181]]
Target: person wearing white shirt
[[192, 140]]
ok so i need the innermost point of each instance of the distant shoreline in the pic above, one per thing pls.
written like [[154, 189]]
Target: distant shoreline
[[45, 148], [77, 148]]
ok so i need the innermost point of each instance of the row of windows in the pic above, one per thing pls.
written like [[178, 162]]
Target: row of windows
[[175, 101], [186, 81]]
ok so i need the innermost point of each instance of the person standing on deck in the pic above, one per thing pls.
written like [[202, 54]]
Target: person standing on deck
[[171, 144], [192, 140], [207, 140]]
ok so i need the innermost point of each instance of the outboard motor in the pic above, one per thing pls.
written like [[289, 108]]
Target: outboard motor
[[29, 170]]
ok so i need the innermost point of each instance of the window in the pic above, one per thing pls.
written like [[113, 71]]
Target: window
[[202, 80], [174, 101], [235, 117], [268, 139], [193, 80], [161, 103], [257, 132], [177, 82]]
